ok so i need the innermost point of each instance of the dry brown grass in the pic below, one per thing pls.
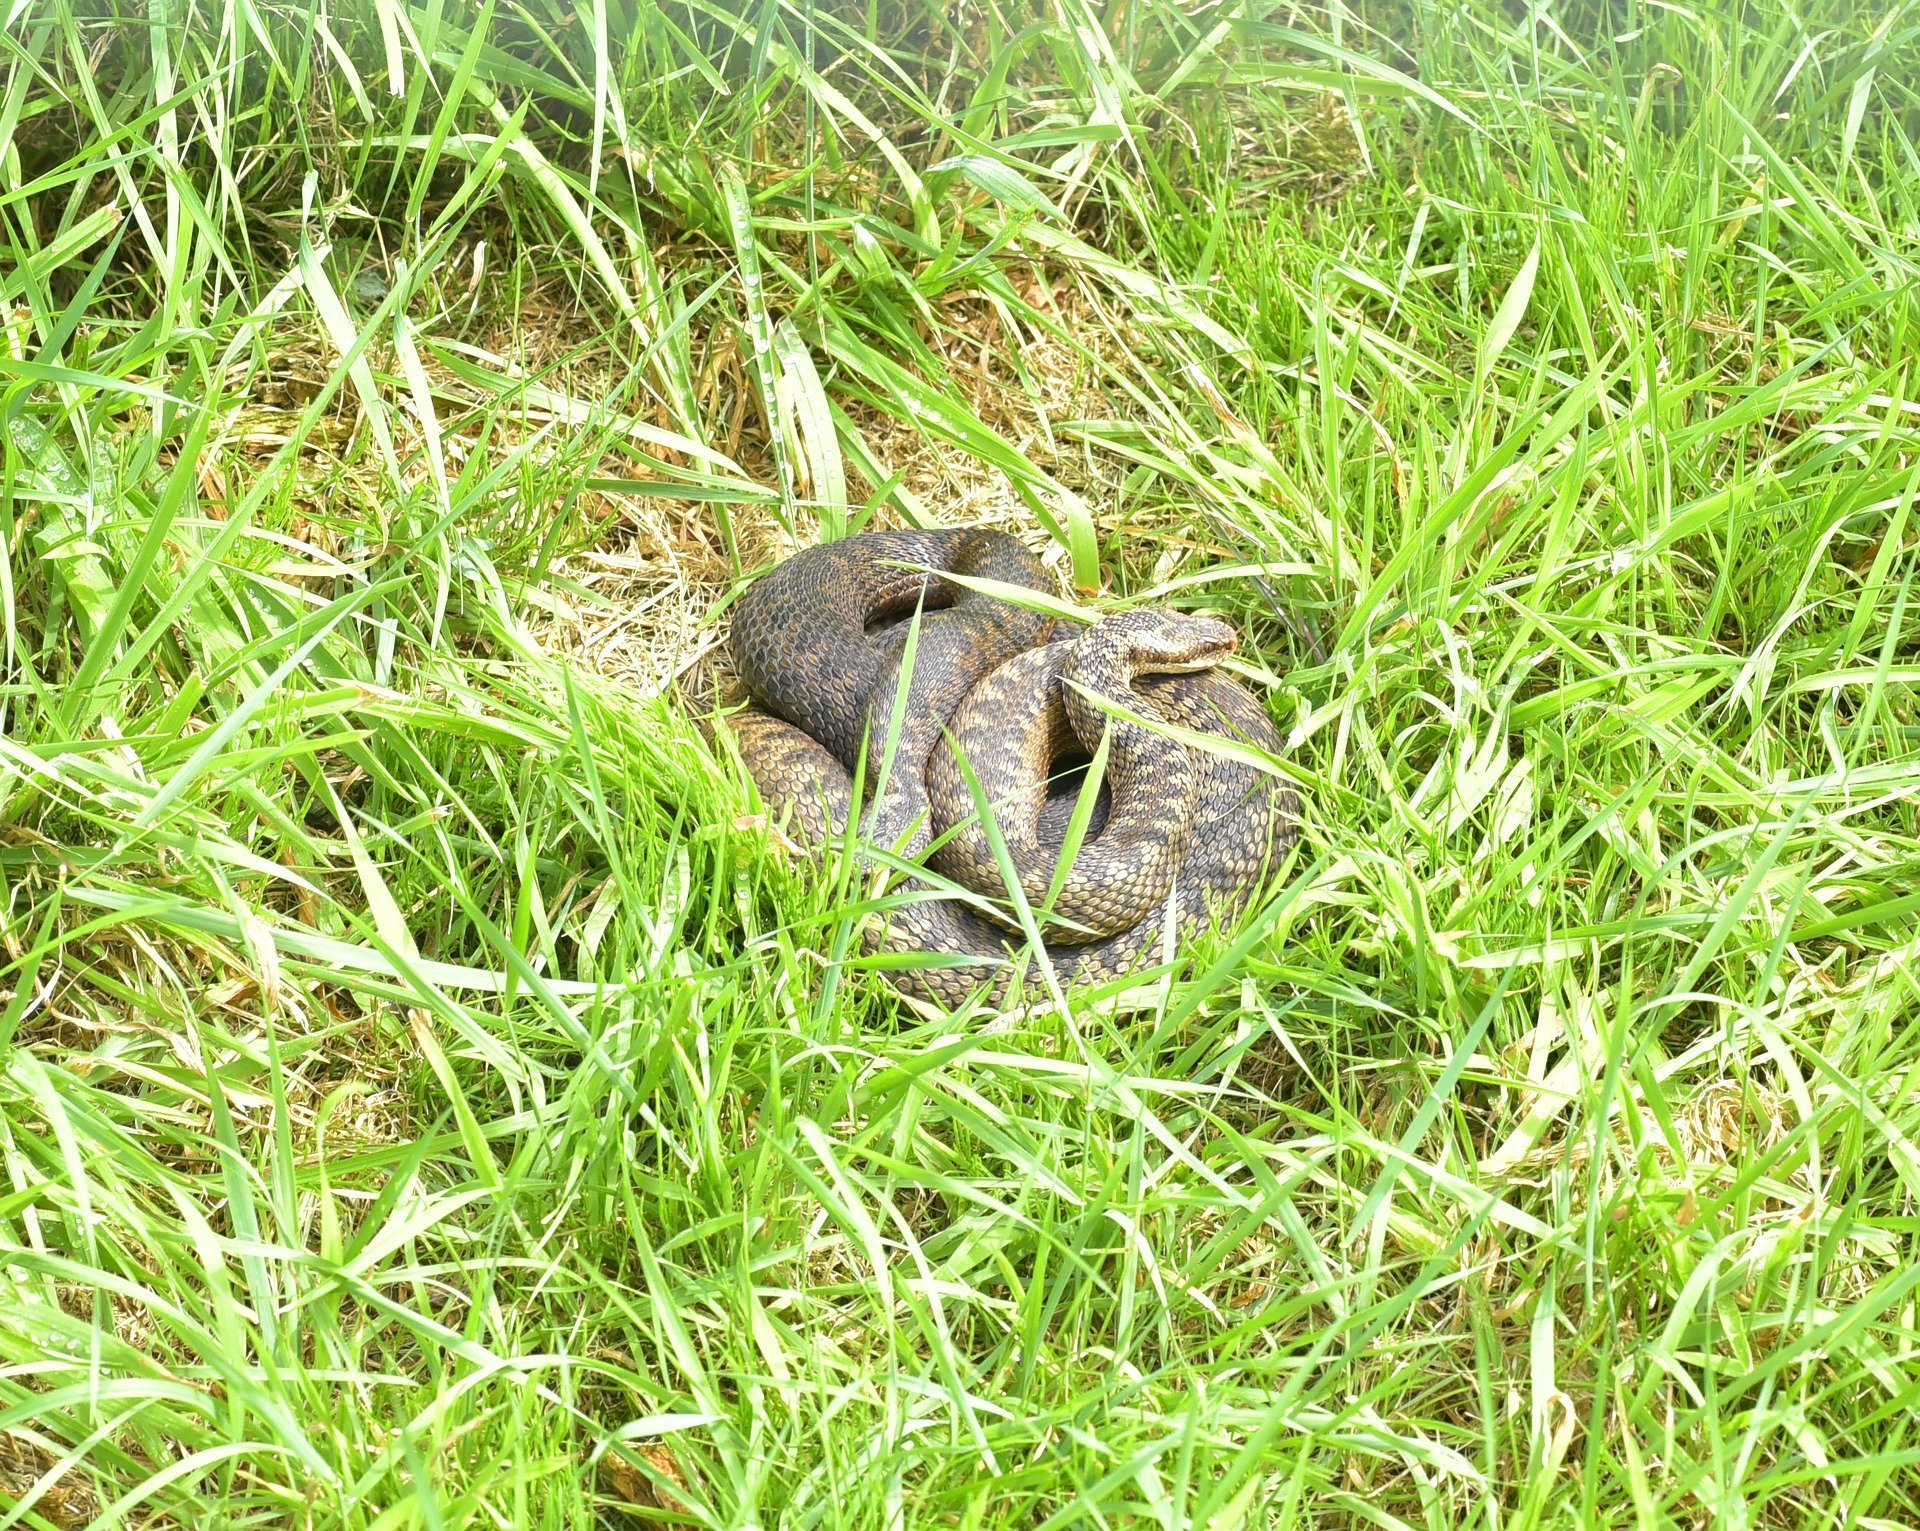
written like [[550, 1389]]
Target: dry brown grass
[[635, 607]]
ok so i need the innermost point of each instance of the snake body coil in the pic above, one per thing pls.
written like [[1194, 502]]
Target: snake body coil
[[826, 646]]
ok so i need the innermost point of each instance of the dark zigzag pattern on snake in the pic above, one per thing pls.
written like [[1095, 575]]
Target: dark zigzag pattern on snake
[[819, 643]]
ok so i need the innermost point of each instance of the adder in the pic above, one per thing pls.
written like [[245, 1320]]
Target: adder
[[850, 646]]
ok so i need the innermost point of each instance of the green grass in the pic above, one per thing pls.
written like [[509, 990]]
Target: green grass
[[427, 1101]]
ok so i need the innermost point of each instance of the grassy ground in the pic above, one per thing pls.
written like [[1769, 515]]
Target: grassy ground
[[427, 1099]]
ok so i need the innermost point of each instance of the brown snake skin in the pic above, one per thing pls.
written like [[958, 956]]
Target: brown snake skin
[[820, 642]]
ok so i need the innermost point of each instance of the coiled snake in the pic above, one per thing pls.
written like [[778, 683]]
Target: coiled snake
[[822, 644]]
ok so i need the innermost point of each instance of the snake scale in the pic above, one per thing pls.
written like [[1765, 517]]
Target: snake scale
[[822, 644]]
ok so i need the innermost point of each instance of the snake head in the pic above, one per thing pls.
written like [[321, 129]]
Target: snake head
[[1166, 642]]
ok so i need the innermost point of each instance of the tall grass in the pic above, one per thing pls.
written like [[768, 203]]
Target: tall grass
[[429, 1100]]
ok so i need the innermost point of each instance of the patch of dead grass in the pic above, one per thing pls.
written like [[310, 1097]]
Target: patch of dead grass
[[636, 608]]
